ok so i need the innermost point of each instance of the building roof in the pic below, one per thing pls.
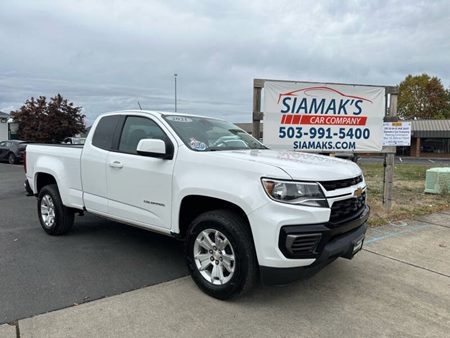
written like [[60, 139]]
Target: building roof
[[430, 128]]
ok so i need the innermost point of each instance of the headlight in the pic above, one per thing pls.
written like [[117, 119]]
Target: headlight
[[301, 193]]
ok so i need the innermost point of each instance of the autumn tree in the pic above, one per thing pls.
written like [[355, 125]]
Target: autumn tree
[[48, 121], [423, 97]]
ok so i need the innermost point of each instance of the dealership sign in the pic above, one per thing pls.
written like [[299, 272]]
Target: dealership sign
[[323, 117]]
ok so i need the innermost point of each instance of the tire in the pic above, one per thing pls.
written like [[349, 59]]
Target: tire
[[12, 158], [55, 218], [228, 277]]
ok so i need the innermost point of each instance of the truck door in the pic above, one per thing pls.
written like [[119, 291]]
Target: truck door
[[140, 187]]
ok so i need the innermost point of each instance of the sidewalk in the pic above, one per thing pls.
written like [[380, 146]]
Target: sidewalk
[[399, 285]]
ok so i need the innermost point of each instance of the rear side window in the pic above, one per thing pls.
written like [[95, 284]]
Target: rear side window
[[104, 132], [138, 128]]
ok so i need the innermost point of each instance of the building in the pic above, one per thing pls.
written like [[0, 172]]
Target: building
[[4, 126], [430, 138]]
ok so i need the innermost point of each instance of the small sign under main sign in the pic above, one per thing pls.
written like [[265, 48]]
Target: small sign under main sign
[[397, 134]]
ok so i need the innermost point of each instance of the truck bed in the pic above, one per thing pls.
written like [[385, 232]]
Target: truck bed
[[59, 160], [58, 145]]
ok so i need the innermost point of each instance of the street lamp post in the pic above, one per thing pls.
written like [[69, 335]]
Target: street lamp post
[[175, 76]]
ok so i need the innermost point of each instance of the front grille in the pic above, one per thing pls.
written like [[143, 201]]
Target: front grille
[[347, 209], [333, 185], [302, 245]]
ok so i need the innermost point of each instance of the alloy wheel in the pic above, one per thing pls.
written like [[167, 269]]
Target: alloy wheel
[[214, 256], [47, 211]]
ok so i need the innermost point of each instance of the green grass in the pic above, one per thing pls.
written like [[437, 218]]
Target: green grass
[[409, 200]]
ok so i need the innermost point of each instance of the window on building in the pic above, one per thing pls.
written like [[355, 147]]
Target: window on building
[[435, 145]]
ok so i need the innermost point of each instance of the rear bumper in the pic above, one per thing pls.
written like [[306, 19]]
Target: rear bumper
[[342, 241]]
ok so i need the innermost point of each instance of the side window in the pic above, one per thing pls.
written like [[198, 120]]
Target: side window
[[104, 132], [137, 128]]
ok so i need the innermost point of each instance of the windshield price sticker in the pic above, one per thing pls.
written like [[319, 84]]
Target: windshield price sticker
[[322, 117], [179, 118]]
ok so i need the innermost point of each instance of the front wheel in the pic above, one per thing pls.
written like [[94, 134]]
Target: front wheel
[[220, 254], [55, 218]]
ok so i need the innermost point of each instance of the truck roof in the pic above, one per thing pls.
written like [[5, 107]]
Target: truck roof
[[159, 113]]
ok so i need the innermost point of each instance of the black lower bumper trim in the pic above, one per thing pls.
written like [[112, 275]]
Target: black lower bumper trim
[[341, 246], [309, 240]]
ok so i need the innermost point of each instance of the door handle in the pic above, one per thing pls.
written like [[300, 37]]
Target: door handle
[[116, 164]]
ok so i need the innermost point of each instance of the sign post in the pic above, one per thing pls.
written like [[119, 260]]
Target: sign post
[[389, 157]]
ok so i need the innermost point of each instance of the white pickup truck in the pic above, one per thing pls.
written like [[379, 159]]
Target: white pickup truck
[[244, 211]]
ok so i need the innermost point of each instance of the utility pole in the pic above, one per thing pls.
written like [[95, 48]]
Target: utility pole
[[175, 76]]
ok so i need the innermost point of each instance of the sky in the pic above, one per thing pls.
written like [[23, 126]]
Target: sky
[[109, 55]]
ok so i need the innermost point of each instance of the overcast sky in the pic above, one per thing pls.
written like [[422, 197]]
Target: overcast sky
[[107, 55]]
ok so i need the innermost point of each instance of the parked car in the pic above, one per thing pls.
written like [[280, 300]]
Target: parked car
[[12, 151], [244, 211]]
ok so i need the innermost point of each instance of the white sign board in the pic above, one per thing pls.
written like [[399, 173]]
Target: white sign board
[[397, 134], [323, 117]]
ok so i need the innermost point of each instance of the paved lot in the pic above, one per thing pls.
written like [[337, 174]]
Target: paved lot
[[40, 273], [398, 286]]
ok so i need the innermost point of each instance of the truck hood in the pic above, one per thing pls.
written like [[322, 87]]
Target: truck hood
[[298, 165]]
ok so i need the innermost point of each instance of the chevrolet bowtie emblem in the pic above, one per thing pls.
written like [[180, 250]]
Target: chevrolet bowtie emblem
[[358, 192]]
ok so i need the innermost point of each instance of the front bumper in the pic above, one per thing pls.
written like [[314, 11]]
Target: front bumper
[[335, 240]]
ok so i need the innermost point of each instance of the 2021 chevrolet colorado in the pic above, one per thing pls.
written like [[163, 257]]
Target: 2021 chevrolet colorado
[[244, 211]]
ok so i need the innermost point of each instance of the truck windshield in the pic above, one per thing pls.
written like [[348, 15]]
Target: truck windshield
[[204, 134]]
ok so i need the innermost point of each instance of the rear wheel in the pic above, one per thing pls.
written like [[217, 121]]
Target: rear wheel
[[12, 158], [55, 218], [220, 254]]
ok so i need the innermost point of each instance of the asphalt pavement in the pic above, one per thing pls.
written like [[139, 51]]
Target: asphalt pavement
[[98, 258], [397, 286]]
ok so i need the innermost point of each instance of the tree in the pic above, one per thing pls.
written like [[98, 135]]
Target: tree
[[49, 122], [423, 97]]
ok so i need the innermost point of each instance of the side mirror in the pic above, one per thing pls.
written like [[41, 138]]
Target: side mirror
[[155, 148]]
